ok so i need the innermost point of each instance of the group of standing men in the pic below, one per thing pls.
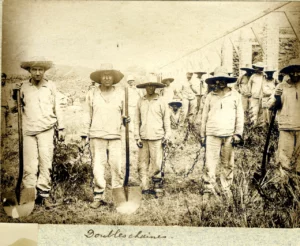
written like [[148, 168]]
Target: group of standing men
[[220, 109]]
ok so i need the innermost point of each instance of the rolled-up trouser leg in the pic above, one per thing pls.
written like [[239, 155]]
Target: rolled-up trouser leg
[[115, 160], [213, 147], [156, 151], [227, 163], [45, 149], [98, 149], [297, 151], [31, 161], [143, 164]]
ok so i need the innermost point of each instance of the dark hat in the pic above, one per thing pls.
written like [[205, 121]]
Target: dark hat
[[220, 73], [36, 62], [294, 63], [189, 74], [176, 103], [3, 75], [97, 75], [199, 72], [170, 79], [151, 81], [247, 67]]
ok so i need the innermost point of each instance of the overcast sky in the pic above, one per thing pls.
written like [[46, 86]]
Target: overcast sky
[[88, 33]]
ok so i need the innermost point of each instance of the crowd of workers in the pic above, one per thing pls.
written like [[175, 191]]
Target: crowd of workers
[[157, 115]]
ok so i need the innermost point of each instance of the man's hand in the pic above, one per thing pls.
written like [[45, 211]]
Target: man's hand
[[203, 141], [83, 143], [165, 141], [126, 120], [61, 135], [139, 143], [278, 91], [236, 139]]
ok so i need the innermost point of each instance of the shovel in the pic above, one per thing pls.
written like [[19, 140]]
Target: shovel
[[21, 202], [127, 199], [259, 176]]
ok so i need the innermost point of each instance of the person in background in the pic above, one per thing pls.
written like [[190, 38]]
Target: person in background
[[5, 94], [256, 85], [188, 96], [167, 92], [243, 87], [201, 90], [268, 88], [221, 128], [152, 130]]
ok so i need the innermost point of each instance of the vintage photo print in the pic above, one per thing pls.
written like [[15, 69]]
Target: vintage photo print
[[150, 113]]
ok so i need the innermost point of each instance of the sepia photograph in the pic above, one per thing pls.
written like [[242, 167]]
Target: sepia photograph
[[150, 113]]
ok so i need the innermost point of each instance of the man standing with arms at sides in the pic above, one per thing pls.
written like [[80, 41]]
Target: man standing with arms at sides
[[188, 95], [243, 86], [202, 89], [287, 100], [41, 115], [221, 129], [256, 85], [104, 116], [152, 130]]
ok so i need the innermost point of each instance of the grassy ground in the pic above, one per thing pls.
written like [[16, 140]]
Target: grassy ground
[[182, 205]]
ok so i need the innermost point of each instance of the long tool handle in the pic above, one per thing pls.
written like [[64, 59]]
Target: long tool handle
[[127, 140], [21, 163], [264, 160]]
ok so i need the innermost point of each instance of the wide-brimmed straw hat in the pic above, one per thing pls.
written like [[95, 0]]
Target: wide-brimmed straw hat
[[152, 80], [247, 67], [220, 73], [259, 65], [36, 62], [294, 63], [269, 69], [165, 80], [175, 103], [104, 68]]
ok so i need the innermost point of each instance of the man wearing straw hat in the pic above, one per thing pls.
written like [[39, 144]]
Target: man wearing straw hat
[[287, 100], [201, 90], [167, 92], [256, 85], [152, 129], [243, 85], [188, 95], [221, 129], [41, 114], [268, 88], [102, 126]]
